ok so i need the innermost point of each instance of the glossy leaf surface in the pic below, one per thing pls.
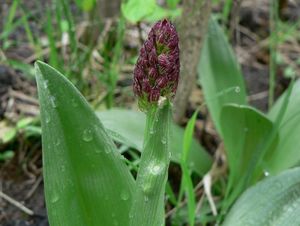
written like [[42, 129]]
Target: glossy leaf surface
[[136, 11], [287, 153], [219, 74], [86, 181], [128, 126], [245, 130], [274, 201]]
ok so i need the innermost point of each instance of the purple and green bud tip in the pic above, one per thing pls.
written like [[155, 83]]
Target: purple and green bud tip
[[157, 69]]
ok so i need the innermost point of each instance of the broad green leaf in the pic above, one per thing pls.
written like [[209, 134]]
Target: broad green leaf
[[219, 74], [137, 10], [287, 153], [274, 201], [172, 3], [161, 13], [86, 181], [244, 131], [128, 126]]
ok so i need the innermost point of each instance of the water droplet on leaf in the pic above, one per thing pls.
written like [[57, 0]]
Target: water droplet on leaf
[[266, 173], [156, 169], [47, 118], [45, 83], [87, 135], [74, 103], [98, 151], [54, 198], [164, 140], [124, 195], [53, 101]]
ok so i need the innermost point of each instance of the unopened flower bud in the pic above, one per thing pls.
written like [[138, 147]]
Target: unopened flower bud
[[157, 69]]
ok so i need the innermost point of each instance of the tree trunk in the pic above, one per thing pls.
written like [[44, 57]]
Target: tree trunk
[[192, 29]]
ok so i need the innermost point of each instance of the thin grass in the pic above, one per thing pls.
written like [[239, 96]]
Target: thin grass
[[187, 182], [9, 22], [274, 20]]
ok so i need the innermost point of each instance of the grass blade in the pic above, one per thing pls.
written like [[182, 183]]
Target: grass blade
[[186, 178]]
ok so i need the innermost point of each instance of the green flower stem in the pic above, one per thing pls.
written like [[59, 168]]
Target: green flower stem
[[148, 203]]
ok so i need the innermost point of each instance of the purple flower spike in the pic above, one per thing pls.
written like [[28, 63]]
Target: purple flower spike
[[157, 69]]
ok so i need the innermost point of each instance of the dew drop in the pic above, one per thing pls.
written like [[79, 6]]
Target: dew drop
[[63, 168], [151, 131], [237, 89], [47, 118], [107, 151], [45, 83], [53, 101], [156, 169], [124, 195], [266, 173], [54, 198], [98, 151], [87, 135], [146, 198], [164, 140], [57, 142], [74, 103], [130, 215]]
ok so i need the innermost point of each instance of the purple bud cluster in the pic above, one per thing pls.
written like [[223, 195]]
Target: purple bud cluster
[[157, 69]]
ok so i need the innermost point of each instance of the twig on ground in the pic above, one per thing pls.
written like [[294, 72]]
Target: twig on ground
[[16, 204]]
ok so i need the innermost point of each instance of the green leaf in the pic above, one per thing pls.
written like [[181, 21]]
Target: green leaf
[[6, 155], [287, 153], [245, 131], [219, 74], [86, 181], [172, 3], [22, 123], [128, 127], [187, 182], [274, 201], [9, 135], [136, 11], [161, 13]]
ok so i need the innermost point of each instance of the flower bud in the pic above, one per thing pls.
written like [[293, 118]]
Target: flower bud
[[157, 69]]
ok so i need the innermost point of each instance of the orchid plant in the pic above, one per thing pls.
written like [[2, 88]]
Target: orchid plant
[[86, 180]]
